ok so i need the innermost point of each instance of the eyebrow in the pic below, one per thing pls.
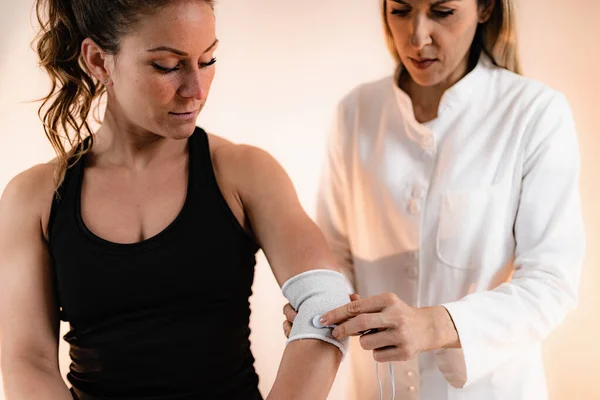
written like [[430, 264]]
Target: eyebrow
[[179, 52], [435, 3], [440, 2]]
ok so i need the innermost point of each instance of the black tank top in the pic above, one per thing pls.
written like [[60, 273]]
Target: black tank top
[[166, 318]]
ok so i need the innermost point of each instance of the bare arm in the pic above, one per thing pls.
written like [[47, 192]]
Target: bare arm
[[293, 244], [28, 313]]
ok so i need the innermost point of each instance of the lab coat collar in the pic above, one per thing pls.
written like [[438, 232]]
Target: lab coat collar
[[461, 92]]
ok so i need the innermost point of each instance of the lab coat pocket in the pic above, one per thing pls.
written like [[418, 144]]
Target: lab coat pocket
[[471, 226]]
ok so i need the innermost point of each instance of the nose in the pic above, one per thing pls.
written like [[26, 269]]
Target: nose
[[420, 35], [192, 86]]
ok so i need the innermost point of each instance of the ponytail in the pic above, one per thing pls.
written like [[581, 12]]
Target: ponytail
[[66, 107]]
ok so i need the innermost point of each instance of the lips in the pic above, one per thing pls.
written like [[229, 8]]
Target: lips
[[184, 116], [423, 63]]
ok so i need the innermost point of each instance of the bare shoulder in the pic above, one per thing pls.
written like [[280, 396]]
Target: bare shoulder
[[248, 177], [29, 194], [242, 160], [32, 185]]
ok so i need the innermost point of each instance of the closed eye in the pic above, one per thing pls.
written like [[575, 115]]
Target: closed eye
[[166, 70], [400, 12], [442, 13], [208, 64], [176, 68]]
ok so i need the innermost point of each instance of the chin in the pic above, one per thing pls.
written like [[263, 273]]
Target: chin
[[424, 79], [179, 132]]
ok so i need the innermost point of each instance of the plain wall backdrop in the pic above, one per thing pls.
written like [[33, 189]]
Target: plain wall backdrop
[[282, 67]]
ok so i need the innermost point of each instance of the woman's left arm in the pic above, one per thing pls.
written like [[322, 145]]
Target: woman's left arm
[[495, 326], [293, 244]]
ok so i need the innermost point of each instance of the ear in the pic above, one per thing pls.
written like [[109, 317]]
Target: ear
[[485, 10], [97, 60]]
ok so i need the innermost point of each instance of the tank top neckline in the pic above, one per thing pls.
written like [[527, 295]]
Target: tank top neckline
[[151, 242]]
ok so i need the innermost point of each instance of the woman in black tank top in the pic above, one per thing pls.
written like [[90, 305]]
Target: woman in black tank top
[[143, 234]]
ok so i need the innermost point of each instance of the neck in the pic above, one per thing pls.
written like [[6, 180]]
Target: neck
[[124, 144]]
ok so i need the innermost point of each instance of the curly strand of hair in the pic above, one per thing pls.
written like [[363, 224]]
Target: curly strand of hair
[[64, 111]]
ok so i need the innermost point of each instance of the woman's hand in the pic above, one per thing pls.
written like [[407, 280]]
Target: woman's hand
[[290, 315], [396, 331]]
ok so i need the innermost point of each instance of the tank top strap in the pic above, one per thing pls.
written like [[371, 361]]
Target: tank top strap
[[66, 196], [205, 182]]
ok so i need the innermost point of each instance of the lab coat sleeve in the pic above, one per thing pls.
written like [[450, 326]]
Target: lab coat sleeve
[[333, 197], [495, 326]]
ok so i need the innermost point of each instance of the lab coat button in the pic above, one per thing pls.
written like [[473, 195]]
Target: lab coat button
[[414, 207], [418, 192], [427, 142]]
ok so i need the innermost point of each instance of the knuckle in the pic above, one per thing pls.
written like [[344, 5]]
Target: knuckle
[[407, 354], [393, 323], [402, 334], [365, 343], [378, 356], [354, 307], [402, 355], [290, 314], [362, 323], [390, 298], [397, 336], [404, 330]]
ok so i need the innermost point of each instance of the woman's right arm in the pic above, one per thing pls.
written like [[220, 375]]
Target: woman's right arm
[[29, 323], [331, 216]]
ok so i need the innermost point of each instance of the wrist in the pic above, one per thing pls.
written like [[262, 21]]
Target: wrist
[[443, 332]]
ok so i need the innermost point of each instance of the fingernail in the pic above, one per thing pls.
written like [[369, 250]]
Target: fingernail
[[323, 320], [335, 333]]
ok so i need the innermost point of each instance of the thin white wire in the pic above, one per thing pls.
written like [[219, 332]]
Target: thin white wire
[[392, 383], [378, 380]]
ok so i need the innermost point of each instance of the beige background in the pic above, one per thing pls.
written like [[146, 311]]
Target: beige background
[[282, 67]]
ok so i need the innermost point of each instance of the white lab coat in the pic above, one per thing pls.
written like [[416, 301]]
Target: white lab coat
[[477, 210]]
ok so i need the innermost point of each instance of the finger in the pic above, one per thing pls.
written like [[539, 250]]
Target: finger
[[354, 297], [357, 325], [373, 304], [287, 328], [289, 312], [378, 340], [387, 354], [391, 353]]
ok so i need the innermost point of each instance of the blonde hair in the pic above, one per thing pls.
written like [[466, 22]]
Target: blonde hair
[[497, 37]]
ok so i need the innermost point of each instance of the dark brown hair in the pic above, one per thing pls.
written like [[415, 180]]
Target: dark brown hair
[[64, 25]]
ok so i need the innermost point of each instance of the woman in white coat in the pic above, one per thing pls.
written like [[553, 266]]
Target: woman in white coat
[[450, 198]]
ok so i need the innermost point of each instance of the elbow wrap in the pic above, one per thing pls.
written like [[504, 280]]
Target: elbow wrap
[[312, 294]]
